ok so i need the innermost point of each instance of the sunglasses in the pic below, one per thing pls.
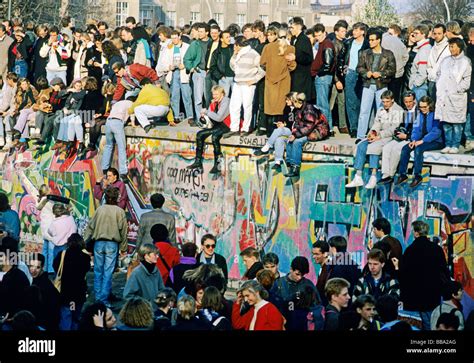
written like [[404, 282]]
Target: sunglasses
[[210, 246]]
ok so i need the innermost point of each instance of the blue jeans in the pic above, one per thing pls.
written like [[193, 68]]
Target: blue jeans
[[70, 317], [278, 141], [323, 87], [105, 256], [294, 151], [63, 134], [199, 83], [352, 93], [368, 96], [57, 250], [48, 253], [361, 155], [21, 68], [114, 133], [420, 91], [227, 83], [452, 134], [176, 89], [418, 158]]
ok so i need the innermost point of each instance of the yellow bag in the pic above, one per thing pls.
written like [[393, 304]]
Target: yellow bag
[[57, 280]]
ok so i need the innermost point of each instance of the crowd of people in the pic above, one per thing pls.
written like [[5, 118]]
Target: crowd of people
[[183, 287], [281, 81], [407, 90]]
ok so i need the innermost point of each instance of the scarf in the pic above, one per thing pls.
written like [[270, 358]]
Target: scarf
[[203, 260]]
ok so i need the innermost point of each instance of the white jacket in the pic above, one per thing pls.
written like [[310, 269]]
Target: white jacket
[[160, 67], [452, 83], [166, 58], [438, 52], [47, 51]]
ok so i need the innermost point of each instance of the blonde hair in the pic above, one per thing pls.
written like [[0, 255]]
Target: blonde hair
[[146, 249], [453, 27], [296, 98], [254, 287], [218, 89], [137, 313], [187, 307], [108, 87]]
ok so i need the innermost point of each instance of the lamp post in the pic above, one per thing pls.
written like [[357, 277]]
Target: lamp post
[[9, 9], [445, 2]]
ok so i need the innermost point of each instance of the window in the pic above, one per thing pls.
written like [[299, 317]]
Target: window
[[146, 16], [264, 1], [241, 20], [195, 16], [121, 12], [292, 2], [264, 18], [241, 1], [219, 17], [171, 18]]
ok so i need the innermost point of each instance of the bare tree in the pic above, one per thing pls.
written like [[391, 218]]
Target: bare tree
[[377, 12], [435, 10]]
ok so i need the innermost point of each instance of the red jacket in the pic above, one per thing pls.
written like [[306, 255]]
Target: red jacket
[[171, 255], [136, 71], [268, 318]]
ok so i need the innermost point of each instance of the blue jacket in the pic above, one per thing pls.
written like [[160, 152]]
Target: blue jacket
[[10, 222], [432, 126]]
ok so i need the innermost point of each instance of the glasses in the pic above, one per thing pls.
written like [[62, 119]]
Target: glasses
[[210, 246]]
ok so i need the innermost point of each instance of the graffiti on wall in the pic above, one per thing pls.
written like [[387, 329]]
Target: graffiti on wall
[[248, 205]]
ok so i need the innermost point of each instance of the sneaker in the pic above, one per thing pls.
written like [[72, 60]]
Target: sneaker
[[263, 151], [356, 182], [454, 150], [147, 128], [446, 150], [357, 141], [277, 168], [247, 133], [416, 181], [372, 182]]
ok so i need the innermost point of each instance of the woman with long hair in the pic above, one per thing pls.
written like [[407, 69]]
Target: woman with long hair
[[262, 315], [136, 314]]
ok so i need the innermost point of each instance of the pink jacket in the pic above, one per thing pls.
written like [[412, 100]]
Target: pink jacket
[[61, 228]]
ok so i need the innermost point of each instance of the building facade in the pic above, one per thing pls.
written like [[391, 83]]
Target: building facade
[[225, 12]]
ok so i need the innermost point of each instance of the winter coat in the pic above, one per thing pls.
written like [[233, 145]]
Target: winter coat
[[268, 317], [277, 77], [23, 52], [10, 223], [387, 67], [123, 196], [452, 83], [438, 52], [73, 281], [134, 73], [13, 290], [384, 125], [423, 272], [170, 256], [399, 51], [386, 286], [61, 229], [419, 68], [149, 219], [447, 307], [143, 284], [301, 80], [220, 60], [432, 127], [221, 262], [309, 122]]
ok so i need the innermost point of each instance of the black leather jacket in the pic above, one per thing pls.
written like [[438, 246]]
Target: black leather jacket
[[220, 64], [342, 62], [328, 60], [387, 67]]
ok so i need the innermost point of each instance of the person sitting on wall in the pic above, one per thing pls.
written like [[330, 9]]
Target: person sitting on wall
[[217, 124], [152, 102], [129, 78], [426, 136], [388, 118]]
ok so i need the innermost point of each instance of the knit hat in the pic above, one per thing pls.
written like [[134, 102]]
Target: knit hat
[[159, 233]]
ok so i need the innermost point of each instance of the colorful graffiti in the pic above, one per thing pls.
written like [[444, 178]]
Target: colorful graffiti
[[250, 206]]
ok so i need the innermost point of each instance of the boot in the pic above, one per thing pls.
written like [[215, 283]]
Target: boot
[[216, 169], [294, 171], [196, 165]]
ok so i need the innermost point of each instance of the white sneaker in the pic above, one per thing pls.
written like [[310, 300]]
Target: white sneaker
[[454, 150], [372, 182], [265, 148], [446, 150], [356, 182]]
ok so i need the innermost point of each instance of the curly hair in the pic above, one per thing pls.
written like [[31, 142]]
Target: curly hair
[[137, 313]]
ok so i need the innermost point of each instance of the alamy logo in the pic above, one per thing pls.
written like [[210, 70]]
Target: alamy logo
[[37, 346]]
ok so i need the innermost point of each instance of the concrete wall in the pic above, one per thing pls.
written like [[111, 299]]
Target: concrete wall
[[249, 206]]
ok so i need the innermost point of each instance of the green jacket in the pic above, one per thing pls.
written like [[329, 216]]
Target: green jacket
[[193, 55]]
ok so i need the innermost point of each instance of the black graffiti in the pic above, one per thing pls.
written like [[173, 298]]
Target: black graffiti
[[191, 194], [252, 141], [185, 176]]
